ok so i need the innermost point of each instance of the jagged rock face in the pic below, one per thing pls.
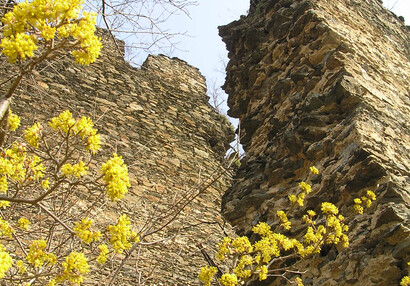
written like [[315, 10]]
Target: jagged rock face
[[159, 119], [324, 83]]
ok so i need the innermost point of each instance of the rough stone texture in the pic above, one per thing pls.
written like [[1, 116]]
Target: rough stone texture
[[325, 83], [159, 119]]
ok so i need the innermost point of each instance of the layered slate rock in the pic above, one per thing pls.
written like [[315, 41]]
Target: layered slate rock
[[324, 83], [159, 120]]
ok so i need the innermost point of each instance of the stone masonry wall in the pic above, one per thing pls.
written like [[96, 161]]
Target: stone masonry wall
[[324, 83], [159, 119]]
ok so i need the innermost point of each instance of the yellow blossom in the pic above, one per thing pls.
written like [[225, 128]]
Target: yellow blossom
[[229, 279], [103, 254], [305, 187], [311, 236], [84, 127], [29, 21], [293, 198], [405, 281], [313, 170], [121, 234], [115, 176], [82, 231], [311, 213], [242, 244], [301, 199], [298, 281], [4, 204], [93, 143], [5, 261], [21, 266], [329, 208], [24, 223], [45, 184], [32, 134], [5, 228], [36, 167], [358, 208], [64, 122], [242, 270], [284, 220], [3, 181], [17, 46], [262, 228], [263, 273], [370, 195], [206, 274], [79, 170], [13, 120], [364, 200], [267, 248], [75, 266], [223, 248], [36, 255]]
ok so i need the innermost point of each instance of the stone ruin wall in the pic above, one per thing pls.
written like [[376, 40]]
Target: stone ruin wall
[[159, 119], [324, 83]]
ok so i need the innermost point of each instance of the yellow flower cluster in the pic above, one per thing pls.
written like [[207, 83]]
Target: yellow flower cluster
[[4, 204], [90, 44], [229, 279], [305, 187], [121, 234], [5, 261], [18, 46], [242, 269], [329, 208], [314, 170], [78, 170], [24, 223], [335, 227], [46, 19], [242, 244], [33, 134], [13, 120], [313, 236], [263, 273], [17, 165], [206, 274], [405, 281], [5, 228], [300, 198], [36, 168], [45, 184], [64, 122], [262, 228], [75, 266], [81, 229], [82, 127], [21, 266], [224, 248], [115, 176], [364, 200], [285, 223], [36, 255], [298, 281], [103, 254], [308, 218], [250, 259]]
